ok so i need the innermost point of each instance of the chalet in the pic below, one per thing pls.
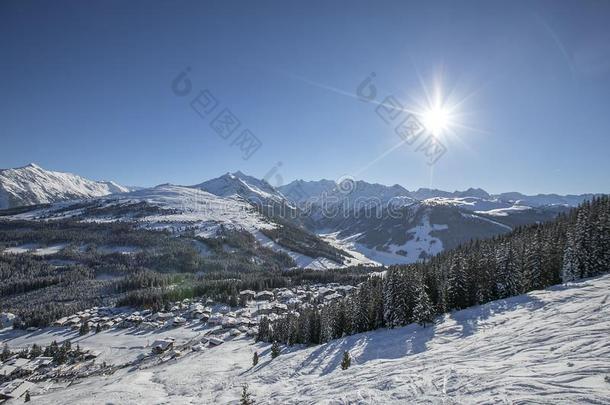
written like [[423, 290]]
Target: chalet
[[229, 322], [278, 308], [246, 295], [15, 389], [264, 309], [7, 370], [324, 291], [214, 341], [162, 316], [215, 319], [178, 321], [18, 362], [264, 296], [162, 345], [332, 297]]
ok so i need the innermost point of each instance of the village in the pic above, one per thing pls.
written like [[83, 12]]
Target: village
[[34, 369]]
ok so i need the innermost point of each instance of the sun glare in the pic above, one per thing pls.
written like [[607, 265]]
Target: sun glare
[[437, 120]]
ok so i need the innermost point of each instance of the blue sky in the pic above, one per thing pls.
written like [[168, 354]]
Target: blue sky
[[87, 88]]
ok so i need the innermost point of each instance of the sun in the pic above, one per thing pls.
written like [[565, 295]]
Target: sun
[[437, 119]]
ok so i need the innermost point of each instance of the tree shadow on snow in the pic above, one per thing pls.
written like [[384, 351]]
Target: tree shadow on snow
[[369, 346], [469, 319]]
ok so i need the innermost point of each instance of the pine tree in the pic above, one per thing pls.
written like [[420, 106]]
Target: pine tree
[[423, 312], [275, 349], [98, 328], [255, 359], [84, 329], [246, 396], [27, 397], [264, 330], [457, 285], [35, 351], [346, 362], [569, 270], [6, 353]]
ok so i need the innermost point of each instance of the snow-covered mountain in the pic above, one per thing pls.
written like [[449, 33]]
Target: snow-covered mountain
[[179, 209], [372, 223], [349, 195], [32, 184], [389, 224], [251, 189]]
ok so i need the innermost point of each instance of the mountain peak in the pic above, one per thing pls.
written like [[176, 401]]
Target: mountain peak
[[31, 184]]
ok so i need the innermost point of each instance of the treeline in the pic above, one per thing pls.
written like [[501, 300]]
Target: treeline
[[302, 241], [576, 245], [91, 270]]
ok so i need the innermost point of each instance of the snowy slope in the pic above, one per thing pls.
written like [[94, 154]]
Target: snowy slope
[[32, 184], [176, 209], [548, 346], [179, 207], [248, 187]]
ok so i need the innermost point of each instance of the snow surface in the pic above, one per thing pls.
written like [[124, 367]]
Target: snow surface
[[34, 185], [549, 346], [420, 241], [35, 249], [239, 184], [504, 212]]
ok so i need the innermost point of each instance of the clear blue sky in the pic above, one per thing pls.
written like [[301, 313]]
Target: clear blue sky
[[85, 87]]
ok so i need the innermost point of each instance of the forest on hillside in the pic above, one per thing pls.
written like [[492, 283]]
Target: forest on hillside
[[576, 245]]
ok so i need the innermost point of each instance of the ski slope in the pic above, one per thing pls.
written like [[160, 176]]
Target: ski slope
[[548, 346]]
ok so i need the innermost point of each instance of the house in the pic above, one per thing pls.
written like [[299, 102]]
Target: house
[[214, 341], [278, 308], [7, 370], [264, 296], [162, 345], [333, 297], [15, 389], [91, 354], [162, 316], [215, 319], [264, 309], [345, 289], [18, 362], [246, 295], [325, 291], [229, 322], [178, 321], [61, 321]]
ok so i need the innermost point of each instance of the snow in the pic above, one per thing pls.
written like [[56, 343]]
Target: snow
[[548, 346], [34, 185], [301, 260], [508, 228], [239, 184], [36, 249], [350, 246], [189, 207], [504, 212], [420, 241]]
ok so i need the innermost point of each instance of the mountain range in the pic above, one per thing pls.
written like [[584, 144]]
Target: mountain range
[[318, 223]]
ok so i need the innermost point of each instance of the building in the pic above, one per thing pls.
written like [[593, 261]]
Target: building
[[246, 295], [264, 296], [162, 345], [15, 389]]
